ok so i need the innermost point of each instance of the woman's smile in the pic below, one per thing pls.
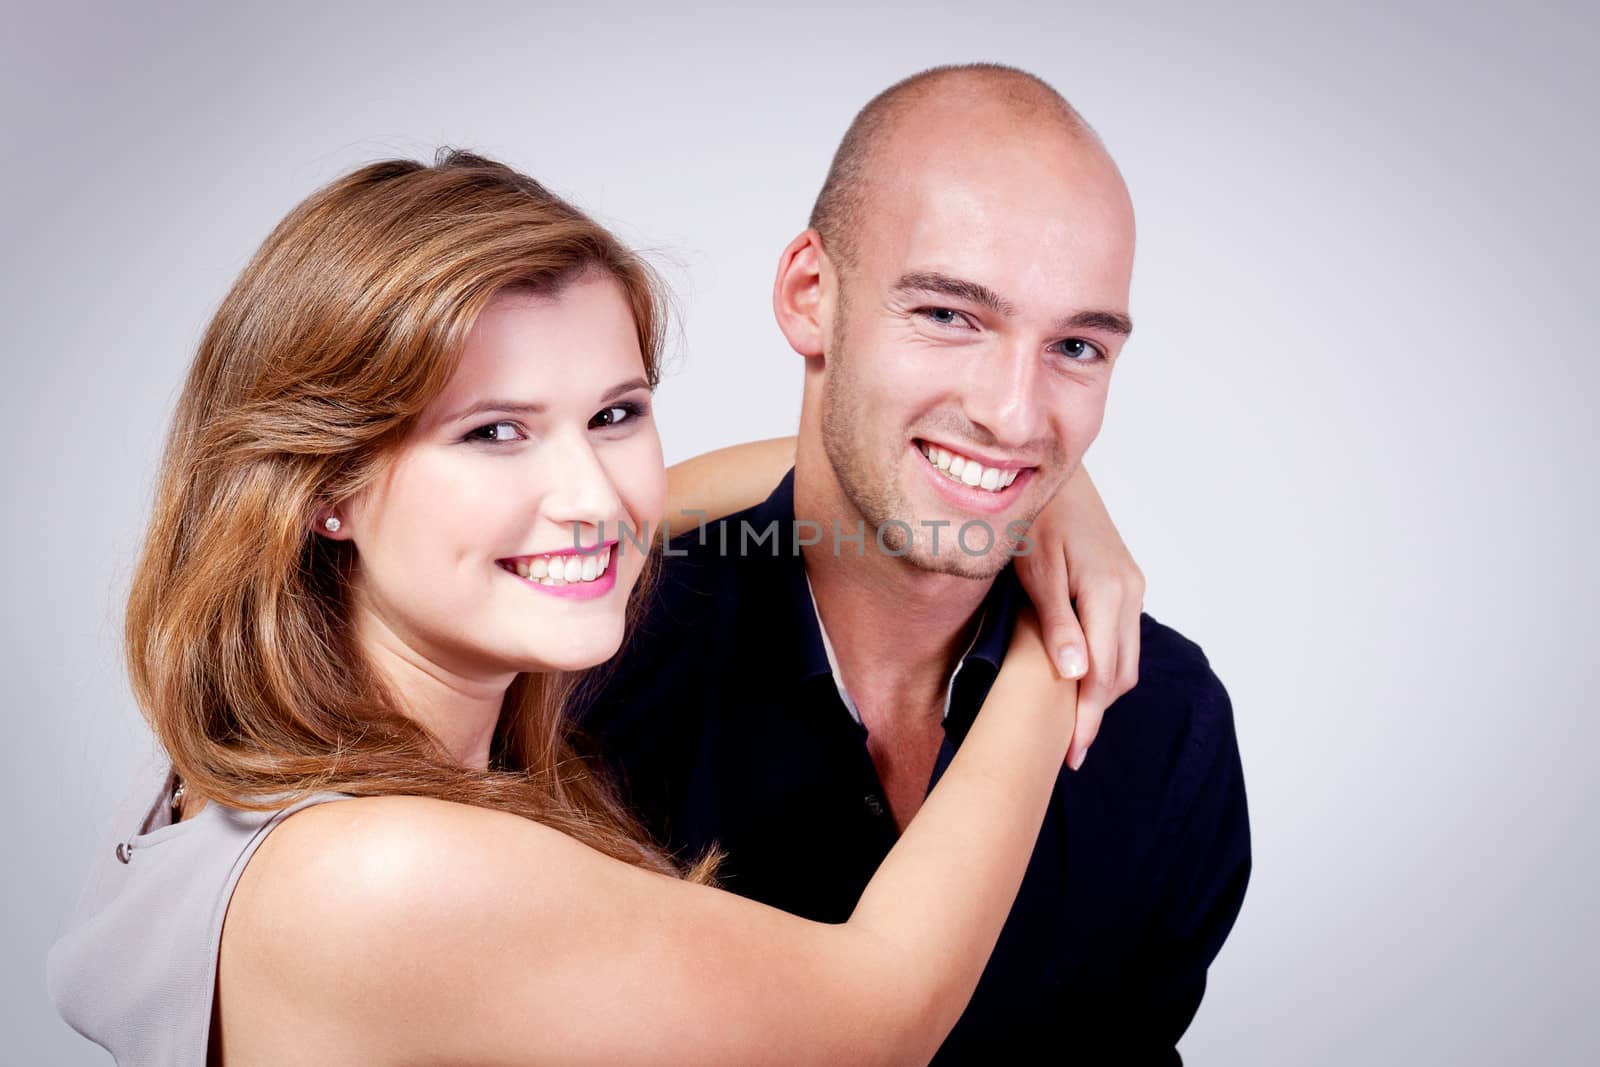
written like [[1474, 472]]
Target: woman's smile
[[581, 574]]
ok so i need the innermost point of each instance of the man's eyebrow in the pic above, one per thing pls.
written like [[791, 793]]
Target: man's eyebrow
[[1110, 321], [533, 407], [923, 281], [931, 281]]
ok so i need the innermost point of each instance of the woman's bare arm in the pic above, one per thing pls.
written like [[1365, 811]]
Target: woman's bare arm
[[725, 481], [403, 928], [1078, 559]]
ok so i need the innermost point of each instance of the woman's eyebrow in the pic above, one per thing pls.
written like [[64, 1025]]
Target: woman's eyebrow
[[513, 407], [626, 387], [533, 407]]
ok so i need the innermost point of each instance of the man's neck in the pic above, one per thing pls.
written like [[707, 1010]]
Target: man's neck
[[896, 630]]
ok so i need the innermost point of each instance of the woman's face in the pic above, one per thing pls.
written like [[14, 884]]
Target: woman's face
[[543, 435]]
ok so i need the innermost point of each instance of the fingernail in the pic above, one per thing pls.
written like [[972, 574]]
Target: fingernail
[[1076, 762], [1072, 661]]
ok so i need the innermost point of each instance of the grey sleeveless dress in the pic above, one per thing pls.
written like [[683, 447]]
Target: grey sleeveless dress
[[137, 968]]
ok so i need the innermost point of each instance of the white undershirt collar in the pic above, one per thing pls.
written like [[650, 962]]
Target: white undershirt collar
[[833, 662]]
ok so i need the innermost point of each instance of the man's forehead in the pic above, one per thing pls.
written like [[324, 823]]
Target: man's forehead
[[969, 180], [1022, 239]]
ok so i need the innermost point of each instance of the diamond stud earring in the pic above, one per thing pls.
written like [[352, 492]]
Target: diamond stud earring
[[332, 524]]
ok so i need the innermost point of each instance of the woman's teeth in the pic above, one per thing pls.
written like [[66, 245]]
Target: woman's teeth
[[560, 570], [959, 468]]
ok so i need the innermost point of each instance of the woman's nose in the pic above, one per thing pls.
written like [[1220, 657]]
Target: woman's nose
[[579, 489]]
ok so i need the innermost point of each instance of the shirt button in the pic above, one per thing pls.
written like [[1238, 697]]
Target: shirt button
[[874, 804]]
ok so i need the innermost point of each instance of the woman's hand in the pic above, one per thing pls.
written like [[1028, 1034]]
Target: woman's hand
[[1079, 558]]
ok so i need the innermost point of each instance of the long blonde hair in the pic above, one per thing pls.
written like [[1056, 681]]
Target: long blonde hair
[[347, 321]]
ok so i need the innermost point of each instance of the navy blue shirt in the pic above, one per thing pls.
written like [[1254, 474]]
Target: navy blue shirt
[[723, 726]]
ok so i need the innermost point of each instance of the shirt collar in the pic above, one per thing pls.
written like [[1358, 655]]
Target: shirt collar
[[816, 652], [791, 588], [833, 661]]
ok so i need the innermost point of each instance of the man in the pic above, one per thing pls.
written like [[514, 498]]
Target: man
[[809, 666]]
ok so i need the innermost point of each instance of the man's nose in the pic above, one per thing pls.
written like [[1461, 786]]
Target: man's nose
[[1003, 395], [578, 489]]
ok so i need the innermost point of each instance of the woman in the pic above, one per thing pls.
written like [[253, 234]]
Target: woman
[[360, 585]]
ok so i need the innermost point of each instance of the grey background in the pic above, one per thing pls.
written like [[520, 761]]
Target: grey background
[[1350, 442]]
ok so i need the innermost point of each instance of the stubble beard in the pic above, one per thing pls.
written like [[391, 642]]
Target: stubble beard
[[875, 494]]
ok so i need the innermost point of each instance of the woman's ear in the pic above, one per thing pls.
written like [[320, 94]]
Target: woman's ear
[[800, 294]]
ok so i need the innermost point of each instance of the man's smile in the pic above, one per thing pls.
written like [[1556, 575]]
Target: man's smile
[[969, 484], [963, 468]]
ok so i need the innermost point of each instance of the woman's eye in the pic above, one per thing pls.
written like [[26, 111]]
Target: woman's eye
[[615, 415], [496, 433], [1080, 351]]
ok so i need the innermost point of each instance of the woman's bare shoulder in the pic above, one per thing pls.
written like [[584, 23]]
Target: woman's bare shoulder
[[388, 824], [396, 850], [341, 886], [353, 916]]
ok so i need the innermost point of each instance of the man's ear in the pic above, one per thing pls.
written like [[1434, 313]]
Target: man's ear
[[797, 294]]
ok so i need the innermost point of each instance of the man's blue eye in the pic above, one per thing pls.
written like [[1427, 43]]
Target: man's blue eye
[[943, 316], [1080, 351]]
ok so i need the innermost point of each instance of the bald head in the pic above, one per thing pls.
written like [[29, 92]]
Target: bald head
[[1010, 101], [963, 286]]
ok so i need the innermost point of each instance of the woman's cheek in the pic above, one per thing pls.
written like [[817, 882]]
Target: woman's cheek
[[641, 480]]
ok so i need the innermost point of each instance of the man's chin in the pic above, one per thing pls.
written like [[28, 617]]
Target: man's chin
[[951, 559], [949, 542]]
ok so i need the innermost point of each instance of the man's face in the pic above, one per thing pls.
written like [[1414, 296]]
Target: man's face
[[972, 342]]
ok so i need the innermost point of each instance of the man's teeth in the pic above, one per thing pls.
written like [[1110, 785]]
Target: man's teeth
[[560, 570], [968, 471]]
